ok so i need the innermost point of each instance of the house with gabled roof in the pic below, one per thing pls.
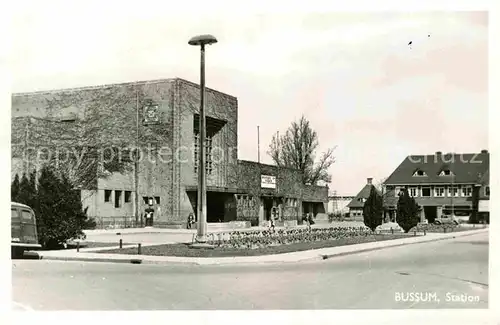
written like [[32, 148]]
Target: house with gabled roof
[[358, 202], [446, 184]]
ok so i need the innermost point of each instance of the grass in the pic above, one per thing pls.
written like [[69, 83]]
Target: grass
[[183, 250]]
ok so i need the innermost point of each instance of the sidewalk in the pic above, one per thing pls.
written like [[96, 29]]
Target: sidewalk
[[318, 254]]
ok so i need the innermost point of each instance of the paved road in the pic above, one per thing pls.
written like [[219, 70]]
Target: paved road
[[365, 280]]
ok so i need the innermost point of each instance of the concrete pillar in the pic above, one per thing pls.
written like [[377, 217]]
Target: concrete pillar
[[439, 212], [422, 215]]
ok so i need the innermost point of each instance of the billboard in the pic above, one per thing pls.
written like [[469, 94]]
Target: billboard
[[267, 181]]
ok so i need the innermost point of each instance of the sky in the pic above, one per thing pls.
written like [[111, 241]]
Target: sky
[[352, 75]]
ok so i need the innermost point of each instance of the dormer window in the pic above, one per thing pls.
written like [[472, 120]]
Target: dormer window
[[446, 172], [419, 172]]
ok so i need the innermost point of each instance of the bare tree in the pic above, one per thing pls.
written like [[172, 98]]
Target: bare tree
[[297, 149], [379, 184]]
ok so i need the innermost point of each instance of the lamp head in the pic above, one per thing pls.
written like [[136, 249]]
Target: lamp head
[[202, 40]]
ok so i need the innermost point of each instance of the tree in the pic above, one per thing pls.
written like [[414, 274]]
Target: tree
[[373, 210], [59, 212], [297, 149], [408, 211], [14, 189], [27, 191]]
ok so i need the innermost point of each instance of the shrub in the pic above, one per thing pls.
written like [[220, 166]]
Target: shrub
[[57, 205], [408, 211], [373, 210]]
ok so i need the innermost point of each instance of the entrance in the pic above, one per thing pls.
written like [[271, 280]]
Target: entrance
[[216, 206], [268, 205], [430, 213]]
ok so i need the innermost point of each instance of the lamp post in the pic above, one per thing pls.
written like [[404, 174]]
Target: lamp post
[[475, 203], [201, 237]]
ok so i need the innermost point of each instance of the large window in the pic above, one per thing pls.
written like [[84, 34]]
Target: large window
[[453, 191], [439, 191], [208, 153], [467, 191]]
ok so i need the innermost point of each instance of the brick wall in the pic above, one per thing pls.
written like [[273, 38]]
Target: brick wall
[[219, 106], [105, 117]]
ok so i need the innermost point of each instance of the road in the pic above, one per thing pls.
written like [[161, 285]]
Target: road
[[367, 280]]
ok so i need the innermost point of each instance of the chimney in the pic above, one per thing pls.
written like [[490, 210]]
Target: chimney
[[484, 151], [438, 153], [369, 181]]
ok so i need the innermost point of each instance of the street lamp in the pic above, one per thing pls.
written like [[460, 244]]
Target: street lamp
[[201, 237]]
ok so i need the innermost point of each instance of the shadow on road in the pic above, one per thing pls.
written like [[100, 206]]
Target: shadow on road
[[27, 256]]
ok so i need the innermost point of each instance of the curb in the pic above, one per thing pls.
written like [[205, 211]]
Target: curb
[[203, 261], [91, 259], [465, 233]]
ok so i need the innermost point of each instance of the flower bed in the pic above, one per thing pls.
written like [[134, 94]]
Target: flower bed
[[183, 250], [443, 228], [266, 238]]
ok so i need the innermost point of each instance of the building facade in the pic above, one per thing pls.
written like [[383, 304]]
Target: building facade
[[156, 121], [338, 204], [356, 205], [442, 184]]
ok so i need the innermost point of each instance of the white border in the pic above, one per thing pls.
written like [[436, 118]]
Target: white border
[[273, 317]]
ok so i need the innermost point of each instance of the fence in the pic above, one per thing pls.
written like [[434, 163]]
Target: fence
[[116, 222]]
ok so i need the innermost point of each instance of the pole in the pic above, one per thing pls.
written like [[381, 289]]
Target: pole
[[136, 163], [258, 144], [202, 201]]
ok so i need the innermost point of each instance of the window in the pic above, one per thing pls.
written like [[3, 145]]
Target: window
[[128, 196], [208, 153], [157, 199], [145, 199], [467, 191], [413, 191], [118, 196], [439, 191], [27, 216], [397, 191], [446, 172], [14, 215], [487, 191], [426, 191], [107, 195], [452, 191], [419, 172]]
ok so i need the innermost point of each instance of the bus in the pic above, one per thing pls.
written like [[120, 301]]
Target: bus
[[23, 229]]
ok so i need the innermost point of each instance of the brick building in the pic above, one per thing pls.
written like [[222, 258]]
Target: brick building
[[161, 119], [357, 204], [442, 184]]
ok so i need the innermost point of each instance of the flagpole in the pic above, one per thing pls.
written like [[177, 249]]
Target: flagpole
[[258, 144]]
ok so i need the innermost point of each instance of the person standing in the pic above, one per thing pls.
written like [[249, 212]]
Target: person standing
[[190, 221], [149, 216]]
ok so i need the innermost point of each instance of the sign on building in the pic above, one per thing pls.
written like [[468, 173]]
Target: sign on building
[[267, 181], [484, 206], [151, 114]]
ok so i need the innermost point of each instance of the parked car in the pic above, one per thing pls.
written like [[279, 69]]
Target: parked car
[[447, 219]]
